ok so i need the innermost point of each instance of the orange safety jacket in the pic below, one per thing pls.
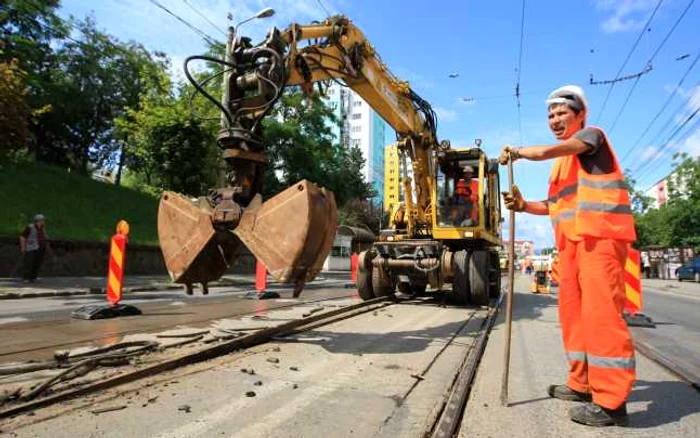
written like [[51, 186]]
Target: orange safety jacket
[[585, 205]]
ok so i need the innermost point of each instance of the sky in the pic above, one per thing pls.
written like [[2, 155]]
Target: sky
[[565, 42]]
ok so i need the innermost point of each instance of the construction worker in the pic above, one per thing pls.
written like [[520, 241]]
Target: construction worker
[[589, 206]]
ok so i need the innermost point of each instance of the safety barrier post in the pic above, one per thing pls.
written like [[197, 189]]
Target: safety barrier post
[[261, 292], [353, 268], [115, 276], [633, 291], [117, 255], [554, 274], [260, 277]]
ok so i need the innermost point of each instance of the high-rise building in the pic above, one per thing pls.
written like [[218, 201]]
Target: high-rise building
[[361, 127]]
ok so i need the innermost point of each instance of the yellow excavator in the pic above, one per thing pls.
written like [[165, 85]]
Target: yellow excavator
[[444, 229]]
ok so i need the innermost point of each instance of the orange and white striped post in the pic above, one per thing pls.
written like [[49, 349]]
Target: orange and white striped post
[[633, 284], [117, 253], [554, 274]]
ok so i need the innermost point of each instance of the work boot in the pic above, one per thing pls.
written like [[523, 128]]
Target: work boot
[[563, 392], [592, 414]]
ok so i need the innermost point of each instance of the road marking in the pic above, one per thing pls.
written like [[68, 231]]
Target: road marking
[[178, 303], [12, 319]]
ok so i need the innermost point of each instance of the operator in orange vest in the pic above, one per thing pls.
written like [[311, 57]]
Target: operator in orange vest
[[589, 207], [467, 196]]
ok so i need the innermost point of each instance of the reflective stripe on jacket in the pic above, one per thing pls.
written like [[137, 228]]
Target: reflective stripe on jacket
[[585, 205]]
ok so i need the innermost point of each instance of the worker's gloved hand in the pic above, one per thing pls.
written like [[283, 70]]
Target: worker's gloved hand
[[514, 200], [508, 152]]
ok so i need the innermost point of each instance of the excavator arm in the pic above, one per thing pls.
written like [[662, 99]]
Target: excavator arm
[[291, 233]]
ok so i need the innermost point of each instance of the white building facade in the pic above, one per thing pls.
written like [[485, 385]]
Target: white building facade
[[361, 127]]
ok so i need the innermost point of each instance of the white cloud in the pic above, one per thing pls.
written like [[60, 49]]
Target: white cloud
[[446, 115], [691, 145], [530, 227], [624, 15]]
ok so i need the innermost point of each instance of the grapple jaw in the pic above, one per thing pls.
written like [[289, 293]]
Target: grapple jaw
[[291, 234]]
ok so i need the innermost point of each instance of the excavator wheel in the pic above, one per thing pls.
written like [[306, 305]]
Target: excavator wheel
[[494, 276], [460, 280], [479, 267], [364, 276], [382, 285], [408, 288]]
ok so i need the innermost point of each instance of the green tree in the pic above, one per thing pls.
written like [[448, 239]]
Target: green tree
[[28, 31], [169, 145], [14, 111], [299, 144], [102, 79]]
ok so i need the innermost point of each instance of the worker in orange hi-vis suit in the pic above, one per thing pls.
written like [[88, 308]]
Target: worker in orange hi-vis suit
[[589, 206]]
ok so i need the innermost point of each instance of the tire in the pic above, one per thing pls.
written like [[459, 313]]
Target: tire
[[494, 276], [419, 289], [364, 277], [407, 288], [460, 278], [382, 286], [479, 268]]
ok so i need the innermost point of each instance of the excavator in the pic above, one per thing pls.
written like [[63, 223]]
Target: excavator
[[438, 233]]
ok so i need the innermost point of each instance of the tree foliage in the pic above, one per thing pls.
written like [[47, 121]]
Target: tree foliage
[[676, 223], [14, 111], [300, 145]]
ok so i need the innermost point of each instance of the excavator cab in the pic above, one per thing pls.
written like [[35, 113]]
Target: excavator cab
[[465, 195]]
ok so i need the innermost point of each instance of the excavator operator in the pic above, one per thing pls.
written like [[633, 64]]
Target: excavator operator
[[465, 210], [589, 206]]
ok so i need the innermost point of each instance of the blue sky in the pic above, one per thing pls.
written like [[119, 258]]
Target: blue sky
[[422, 42]]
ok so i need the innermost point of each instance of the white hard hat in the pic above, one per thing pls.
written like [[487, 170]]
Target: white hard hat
[[571, 95], [39, 217]]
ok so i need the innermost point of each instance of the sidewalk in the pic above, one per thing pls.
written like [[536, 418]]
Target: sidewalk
[[11, 288], [675, 287], [660, 405]]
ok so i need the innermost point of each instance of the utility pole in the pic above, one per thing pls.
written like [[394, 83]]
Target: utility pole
[[228, 57]]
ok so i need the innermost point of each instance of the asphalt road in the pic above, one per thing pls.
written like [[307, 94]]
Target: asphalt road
[[34, 328], [677, 332]]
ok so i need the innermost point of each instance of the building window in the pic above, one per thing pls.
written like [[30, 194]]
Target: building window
[[357, 103], [356, 129], [356, 116], [355, 142]]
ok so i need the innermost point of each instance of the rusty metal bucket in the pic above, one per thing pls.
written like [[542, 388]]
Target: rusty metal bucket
[[292, 233], [193, 250]]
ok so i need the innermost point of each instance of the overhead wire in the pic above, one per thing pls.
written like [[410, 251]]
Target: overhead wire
[[660, 153], [650, 63], [197, 11], [324, 7], [671, 119], [520, 65], [629, 55], [678, 143], [195, 29], [663, 107]]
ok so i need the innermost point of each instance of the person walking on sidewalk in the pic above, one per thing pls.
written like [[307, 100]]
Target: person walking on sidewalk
[[32, 244], [589, 207]]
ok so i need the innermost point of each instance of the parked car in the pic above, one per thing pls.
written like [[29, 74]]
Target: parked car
[[690, 271]]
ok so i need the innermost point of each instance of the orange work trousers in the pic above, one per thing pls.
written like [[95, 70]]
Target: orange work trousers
[[596, 338]]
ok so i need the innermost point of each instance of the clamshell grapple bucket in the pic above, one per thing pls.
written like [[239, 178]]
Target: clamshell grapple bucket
[[291, 233]]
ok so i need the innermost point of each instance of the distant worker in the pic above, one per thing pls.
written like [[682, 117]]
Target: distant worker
[[32, 244], [589, 206]]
